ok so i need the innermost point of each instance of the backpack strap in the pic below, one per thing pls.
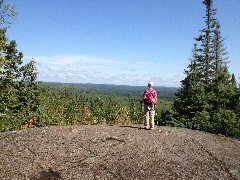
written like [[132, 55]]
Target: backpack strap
[[147, 95], [148, 98]]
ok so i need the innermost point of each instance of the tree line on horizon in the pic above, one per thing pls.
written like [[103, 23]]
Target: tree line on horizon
[[208, 99]]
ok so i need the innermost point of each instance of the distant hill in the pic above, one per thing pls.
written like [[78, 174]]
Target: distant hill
[[163, 92]]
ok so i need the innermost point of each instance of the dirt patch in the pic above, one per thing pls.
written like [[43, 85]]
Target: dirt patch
[[117, 152]]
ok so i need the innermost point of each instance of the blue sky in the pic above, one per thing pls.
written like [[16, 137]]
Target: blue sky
[[127, 42]]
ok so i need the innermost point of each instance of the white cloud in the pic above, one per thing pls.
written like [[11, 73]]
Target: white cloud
[[89, 69], [51, 68], [71, 59]]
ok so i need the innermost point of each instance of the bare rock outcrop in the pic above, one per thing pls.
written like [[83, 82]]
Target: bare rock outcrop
[[117, 152]]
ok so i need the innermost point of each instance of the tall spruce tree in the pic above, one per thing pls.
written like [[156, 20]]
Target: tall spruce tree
[[186, 95], [209, 99]]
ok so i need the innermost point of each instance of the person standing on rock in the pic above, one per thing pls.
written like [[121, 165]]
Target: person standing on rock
[[150, 101]]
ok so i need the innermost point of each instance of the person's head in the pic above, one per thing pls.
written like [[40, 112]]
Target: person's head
[[150, 84]]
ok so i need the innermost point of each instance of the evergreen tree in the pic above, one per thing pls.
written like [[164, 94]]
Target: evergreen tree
[[184, 103], [208, 99], [205, 61]]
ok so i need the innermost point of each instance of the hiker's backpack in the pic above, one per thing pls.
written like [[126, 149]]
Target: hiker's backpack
[[149, 100]]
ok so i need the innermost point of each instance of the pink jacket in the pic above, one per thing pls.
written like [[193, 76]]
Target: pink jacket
[[150, 95]]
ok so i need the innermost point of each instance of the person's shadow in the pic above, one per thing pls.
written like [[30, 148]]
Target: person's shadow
[[134, 127]]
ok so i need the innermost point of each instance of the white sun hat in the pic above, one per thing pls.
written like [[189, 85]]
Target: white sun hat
[[150, 84]]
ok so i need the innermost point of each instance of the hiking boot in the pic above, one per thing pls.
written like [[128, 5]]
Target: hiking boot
[[147, 128]]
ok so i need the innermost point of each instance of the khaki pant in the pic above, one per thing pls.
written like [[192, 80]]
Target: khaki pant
[[149, 112]]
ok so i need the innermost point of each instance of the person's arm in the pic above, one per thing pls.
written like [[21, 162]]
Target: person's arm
[[144, 97], [155, 97]]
